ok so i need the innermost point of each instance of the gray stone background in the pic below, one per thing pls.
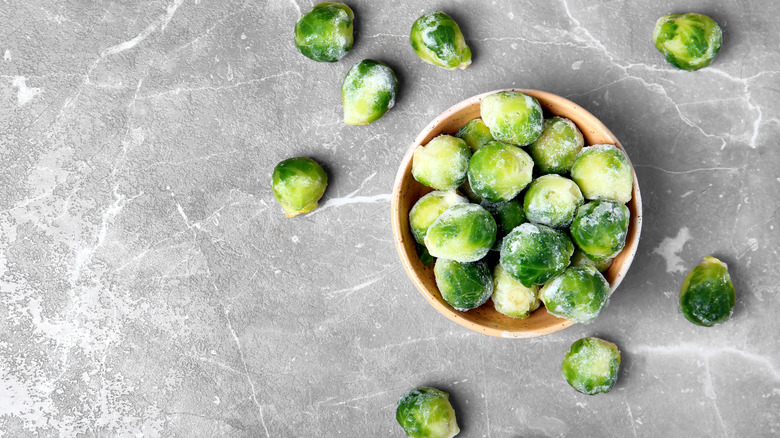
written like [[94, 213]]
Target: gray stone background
[[150, 285]]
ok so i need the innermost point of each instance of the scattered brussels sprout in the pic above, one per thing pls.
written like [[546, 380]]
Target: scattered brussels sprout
[[580, 259], [425, 257], [498, 172], [466, 189], [707, 295], [428, 208], [464, 233], [464, 286], [600, 229], [368, 92], [512, 117], [298, 183], [579, 294], [591, 365], [533, 254], [324, 33], [688, 41], [508, 215], [442, 163], [603, 172], [558, 145], [475, 133], [552, 200], [510, 297], [427, 413], [437, 40]]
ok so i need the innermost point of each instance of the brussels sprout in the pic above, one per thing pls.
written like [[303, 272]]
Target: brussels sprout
[[465, 233], [437, 40], [580, 259], [510, 297], [508, 215], [324, 33], [476, 134], [499, 171], [426, 413], [552, 200], [466, 190], [368, 92], [688, 41], [579, 294], [600, 229], [603, 172], [707, 295], [463, 286], [425, 257], [591, 365], [555, 150], [512, 117], [298, 183], [533, 254], [428, 208], [442, 163]]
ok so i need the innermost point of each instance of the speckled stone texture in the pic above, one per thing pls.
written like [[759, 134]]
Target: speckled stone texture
[[150, 285]]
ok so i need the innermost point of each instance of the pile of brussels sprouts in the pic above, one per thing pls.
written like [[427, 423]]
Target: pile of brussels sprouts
[[555, 214]]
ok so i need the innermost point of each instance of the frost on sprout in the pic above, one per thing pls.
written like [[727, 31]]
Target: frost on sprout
[[579, 294], [591, 365], [600, 229], [557, 147], [580, 259], [298, 184], [707, 296], [325, 33], [688, 41], [428, 208], [512, 117], [510, 297], [368, 92], [437, 39], [476, 134], [552, 200], [464, 286], [441, 164], [534, 254], [426, 413], [603, 172], [464, 233], [498, 172]]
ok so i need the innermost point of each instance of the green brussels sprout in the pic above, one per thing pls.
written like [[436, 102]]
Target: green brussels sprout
[[425, 257], [512, 117], [465, 233], [368, 92], [324, 33], [508, 215], [600, 229], [533, 254], [442, 163], [510, 297], [464, 286], [475, 133], [579, 294], [591, 365], [466, 190], [437, 40], [428, 208], [426, 413], [558, 145], [498, 172], [603, 172], [707, 295], [580, 259], [688, 41], [552, 200], [298, 183]]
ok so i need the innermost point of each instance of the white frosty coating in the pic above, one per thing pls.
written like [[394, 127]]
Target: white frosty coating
[[339, 43], [670, 249], [558, 301], [552, 200], [428, 208], [510, 297], [484, 279], [553, 151], [600, 181], [442, 163], [379, 79], [501, 171], [459, 247]]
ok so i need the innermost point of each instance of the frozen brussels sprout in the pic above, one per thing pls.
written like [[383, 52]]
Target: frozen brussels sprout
[[428, 208], [510, 297], [603, 172], [324, 33], [298, 183], [512, 117], [533, 254], [476, 134], [498, 172], [442, 163], [464, 286], [558, 145], [467, 191], [688, 41], [707, 295], [600, 229], [465, 233], [368, 92], [426, 413], [425, 257], [579, 294], [552, 200], [580, 259], [508, 215], [591, 365], [437, 40]]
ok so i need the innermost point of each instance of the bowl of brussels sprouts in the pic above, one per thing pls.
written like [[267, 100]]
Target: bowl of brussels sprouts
[[516, 213]]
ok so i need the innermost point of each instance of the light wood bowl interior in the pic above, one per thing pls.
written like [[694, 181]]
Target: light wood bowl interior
[[407, 191]]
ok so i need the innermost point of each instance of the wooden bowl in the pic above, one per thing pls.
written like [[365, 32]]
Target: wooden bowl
[[407, 191]]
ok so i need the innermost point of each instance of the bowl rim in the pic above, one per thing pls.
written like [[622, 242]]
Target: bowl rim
[[449, 312]]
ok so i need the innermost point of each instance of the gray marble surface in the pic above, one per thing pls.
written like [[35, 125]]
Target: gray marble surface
[[150, 285]]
